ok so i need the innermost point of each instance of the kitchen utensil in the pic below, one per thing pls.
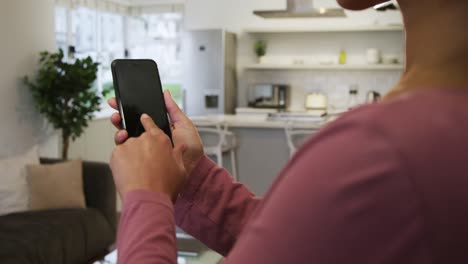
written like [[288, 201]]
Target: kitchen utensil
[[373, 96], [353, 100]]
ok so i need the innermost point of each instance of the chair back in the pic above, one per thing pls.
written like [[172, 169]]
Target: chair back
[[212, 133], [297, 133], [218, 140]]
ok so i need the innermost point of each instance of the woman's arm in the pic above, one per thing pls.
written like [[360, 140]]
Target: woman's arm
[[147, 229], [213, 208]]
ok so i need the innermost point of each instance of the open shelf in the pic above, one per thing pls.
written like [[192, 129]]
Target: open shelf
[[370, 28], [378, 67]]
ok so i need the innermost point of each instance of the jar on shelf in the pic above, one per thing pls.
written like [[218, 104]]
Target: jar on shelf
[[343, 57]]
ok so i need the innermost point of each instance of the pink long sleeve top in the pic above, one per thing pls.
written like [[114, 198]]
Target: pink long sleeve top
[[386, 183]]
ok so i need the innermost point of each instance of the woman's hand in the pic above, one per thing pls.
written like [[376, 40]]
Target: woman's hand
[[149, 163], [183, 132]]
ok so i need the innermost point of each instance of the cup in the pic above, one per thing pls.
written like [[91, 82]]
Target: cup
[[373, 56]]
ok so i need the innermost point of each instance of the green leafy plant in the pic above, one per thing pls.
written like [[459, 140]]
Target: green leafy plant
[[260, 48], [65, 94]]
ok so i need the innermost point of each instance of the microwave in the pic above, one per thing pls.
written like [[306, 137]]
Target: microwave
[[269, 96]]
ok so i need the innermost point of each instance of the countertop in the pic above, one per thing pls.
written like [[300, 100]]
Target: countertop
[[255, 121], [242, 121]]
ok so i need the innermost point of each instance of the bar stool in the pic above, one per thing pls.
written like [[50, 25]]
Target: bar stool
[[297, 134], [224, 142]]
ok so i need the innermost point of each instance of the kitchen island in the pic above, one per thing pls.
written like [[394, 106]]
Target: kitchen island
[[262, 148]]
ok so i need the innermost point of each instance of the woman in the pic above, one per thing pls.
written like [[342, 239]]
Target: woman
[[385, 183]]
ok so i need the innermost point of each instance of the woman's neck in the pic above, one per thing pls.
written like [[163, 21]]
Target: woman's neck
[[436, 45]]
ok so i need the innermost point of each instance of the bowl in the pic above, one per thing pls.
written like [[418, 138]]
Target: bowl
[[390, 59]]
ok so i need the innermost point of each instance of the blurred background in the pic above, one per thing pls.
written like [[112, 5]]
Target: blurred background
[[257, 77]]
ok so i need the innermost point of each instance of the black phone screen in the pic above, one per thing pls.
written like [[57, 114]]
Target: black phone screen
[[138, 89]]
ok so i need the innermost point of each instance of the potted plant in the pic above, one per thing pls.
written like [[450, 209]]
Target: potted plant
[[260, 49], [64, 93]]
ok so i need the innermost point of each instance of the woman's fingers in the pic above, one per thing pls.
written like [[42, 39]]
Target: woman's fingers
[[120, 137], [113, 103], [149, 125], [116, 120]]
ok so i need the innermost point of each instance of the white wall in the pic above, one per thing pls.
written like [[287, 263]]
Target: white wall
[[26, 28]]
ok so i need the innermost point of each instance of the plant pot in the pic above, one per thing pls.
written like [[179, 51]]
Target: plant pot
[[261, 59]]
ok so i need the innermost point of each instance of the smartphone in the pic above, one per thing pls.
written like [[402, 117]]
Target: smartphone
[[138, 90]]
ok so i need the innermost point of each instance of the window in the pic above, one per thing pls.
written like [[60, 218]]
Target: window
[[105, 36], [85, 32], [111, 47], [100, 36], [158, 36], [61, 29]]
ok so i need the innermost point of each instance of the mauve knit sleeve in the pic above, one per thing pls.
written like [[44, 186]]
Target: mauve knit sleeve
[[147, 229], [213, 208]]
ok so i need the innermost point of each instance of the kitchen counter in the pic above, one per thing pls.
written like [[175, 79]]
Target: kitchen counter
[[256, 121]]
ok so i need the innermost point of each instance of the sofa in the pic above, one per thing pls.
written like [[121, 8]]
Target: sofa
[[65, 235]]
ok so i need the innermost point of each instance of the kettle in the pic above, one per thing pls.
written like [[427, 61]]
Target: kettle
[[373, 96]]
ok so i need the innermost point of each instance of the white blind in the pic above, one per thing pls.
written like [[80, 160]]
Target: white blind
[[122, 7], [157, 9]]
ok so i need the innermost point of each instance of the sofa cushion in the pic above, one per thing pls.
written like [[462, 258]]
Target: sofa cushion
[[56, 186], [54, 236]]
